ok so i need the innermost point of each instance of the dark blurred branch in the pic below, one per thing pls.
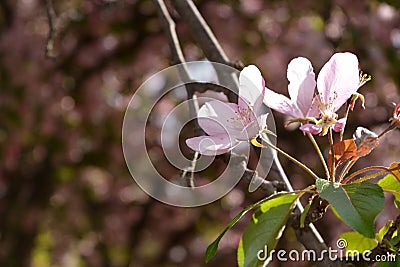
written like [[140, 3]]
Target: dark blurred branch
[[202, 32], [173, 40], [206, 40], [7, 12], [51, 18], [178, 58], [308, 236]]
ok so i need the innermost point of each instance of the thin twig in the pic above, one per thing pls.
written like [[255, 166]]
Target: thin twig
[[346, 115], [346, 169], [51, 17], [321, 157], [178, 58], [206, 40], [330, 135], [391, 127], [202, 32], [295, 161], [354, 174]]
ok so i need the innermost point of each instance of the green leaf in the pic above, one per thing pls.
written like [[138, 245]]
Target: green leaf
[[355, 204], [212, 248], [304, 214], [382, 232], [265, 229], [357, 243], [390, 184]]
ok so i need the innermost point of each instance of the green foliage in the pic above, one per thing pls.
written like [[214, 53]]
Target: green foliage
[[355, 204], [357, 243], [264, 205], [382, 232], [265, 229], [392, 185]]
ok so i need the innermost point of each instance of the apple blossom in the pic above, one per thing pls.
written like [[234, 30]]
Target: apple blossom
[[337, 81], [227, 124]]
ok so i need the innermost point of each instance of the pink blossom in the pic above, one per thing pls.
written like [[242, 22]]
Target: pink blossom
[[301, 90], [337, 81], [227, 124]]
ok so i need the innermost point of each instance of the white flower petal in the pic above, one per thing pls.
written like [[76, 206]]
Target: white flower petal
[[216, 117], [211, 145], [251, 86], [301, 76], [281, 104], [338, 80]]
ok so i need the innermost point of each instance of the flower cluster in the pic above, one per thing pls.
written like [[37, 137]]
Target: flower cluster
[[228, 124], [337, 81]]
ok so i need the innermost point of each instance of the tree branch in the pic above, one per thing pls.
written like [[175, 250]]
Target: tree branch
[[206, 40], [308, 235], [203, 34], [51, 17]]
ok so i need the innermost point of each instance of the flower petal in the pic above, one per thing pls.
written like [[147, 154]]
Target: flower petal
[[339, 125], [281, 104], [251, 131], [262, 121], [301, 76], [311, 128], [211, 145], [338, 80], [314, 110], [251, 87], [216, 117], [210, 95]]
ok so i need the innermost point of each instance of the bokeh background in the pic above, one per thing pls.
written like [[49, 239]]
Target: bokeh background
[[66, 196]]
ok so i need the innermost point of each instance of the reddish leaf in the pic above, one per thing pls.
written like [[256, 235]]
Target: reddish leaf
[[344, 150], [395, 169], [365, 141]]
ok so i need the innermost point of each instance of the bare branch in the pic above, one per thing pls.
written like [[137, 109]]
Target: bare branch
[[206, 40], [178, 58], [51, 17], [204, 36], [308, 235]]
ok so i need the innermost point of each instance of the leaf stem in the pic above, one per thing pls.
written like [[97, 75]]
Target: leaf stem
[[367, 177], [346, 169], [354, 174], [345, 116], [295, 161], [391, 127], [321, 157], [333, 155]]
